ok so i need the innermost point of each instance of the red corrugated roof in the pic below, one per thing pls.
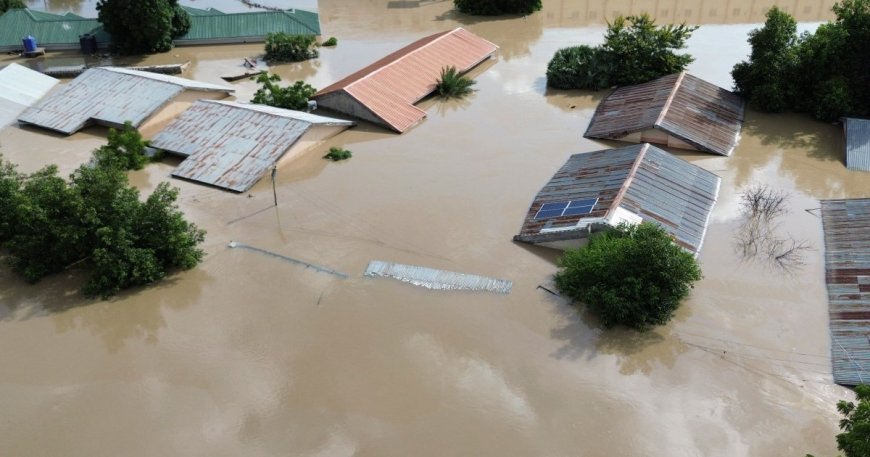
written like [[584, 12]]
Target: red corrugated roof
[[390, 87]]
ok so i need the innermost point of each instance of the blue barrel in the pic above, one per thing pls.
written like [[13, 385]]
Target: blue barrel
[[29, 43]]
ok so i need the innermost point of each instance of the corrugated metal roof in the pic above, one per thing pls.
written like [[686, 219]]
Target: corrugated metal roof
[[20, 87], [641, 179], [846, 224], [390, 87], [231, 145], [857, 133], [109, 96], [55, 31], [688, 108]]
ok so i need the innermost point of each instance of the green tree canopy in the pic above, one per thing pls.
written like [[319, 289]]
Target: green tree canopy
[[631, 275], [497, 7], [290, 97], [143, 26], [282, 47], [6, 5], [635, 51], [854, 440]]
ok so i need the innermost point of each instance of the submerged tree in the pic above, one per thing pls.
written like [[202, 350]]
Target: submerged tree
[[497, 7], [143, 26], [635, 51], [631, 275], [290, 97], [283, 47]]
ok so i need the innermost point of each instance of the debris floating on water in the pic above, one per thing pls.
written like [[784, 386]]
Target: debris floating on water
[[236, 244], [437, 279]]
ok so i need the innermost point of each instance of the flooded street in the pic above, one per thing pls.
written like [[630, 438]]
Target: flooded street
[[247, 355]]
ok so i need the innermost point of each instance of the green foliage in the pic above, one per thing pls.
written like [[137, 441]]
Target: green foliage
[[855, 425], [125, 150], [290, 97], [635, 51], [452, 84], [142, 26], [825, 74], [281, 47], [96, 220], [336, 154], [497, 7], [332, 41], [630, 275], [6, 5]]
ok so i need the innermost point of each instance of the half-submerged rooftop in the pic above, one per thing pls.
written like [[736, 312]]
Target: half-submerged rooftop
[[846, 224], [111, 96], [232, 145], [385, 92], [20, 87], [679, 110], [857, 133], [638, 183]]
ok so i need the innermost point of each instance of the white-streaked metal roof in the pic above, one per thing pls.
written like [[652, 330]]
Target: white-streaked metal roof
[[20, 87], [857, 133], [109, 96], [232, 145]]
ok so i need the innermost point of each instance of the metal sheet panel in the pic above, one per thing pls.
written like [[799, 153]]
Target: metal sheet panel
[[108, 96], [688, 108], [216, 27], [232, 145], [847, 268], [20, 87], [641, 179], [390, 87], [857, 133]]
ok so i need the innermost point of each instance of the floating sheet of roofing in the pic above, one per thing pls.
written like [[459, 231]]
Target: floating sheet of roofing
[[639, 182], [110, 96], [846, 224], [688, 108], [232, 145], [20, 87], [388, 88], [857, 133]]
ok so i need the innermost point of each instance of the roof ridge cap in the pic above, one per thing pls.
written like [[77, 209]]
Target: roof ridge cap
[[617, 200], [670, 99]]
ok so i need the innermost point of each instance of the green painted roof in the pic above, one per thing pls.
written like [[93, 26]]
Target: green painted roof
[[57, 31]]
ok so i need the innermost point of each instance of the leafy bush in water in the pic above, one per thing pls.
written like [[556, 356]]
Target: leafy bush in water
[[6, 5], [336, 154], [497, 7], [125, 149], [332, 41], [290, 97], [282, 47], [630, 275], [139, 27], [635, 51], [451, 84]]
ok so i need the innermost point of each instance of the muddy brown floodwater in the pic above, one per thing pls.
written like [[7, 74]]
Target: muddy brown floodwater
[[249, 355]]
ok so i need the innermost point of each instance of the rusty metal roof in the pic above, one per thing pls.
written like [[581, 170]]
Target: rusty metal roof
[[640, 180], [688, 108], [231, 145], [109, 96], [389, 87], [846, 224], [857, 133], [20, 87]]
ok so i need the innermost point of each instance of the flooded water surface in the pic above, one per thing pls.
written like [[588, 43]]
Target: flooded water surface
[[251, 355]]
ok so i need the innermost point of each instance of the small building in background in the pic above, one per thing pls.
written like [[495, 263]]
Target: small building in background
[[111, 96], [679, 111], [384, 93], [634, 184], [857, 139], [232, 145], [20, 87]]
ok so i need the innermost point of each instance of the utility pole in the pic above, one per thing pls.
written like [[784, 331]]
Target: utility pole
[[274, 193]]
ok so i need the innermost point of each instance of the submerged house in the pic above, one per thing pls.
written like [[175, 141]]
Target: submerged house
[[846, 226], [232, 145], [111, 96], [634, 184], [857, 133], [385, 92], [20, 87], [56, 32], [679, 111]]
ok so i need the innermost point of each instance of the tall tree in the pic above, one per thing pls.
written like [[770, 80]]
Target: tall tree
[[143, 26]]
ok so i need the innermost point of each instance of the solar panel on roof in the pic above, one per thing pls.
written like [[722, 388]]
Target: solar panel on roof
[[569, 208]]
